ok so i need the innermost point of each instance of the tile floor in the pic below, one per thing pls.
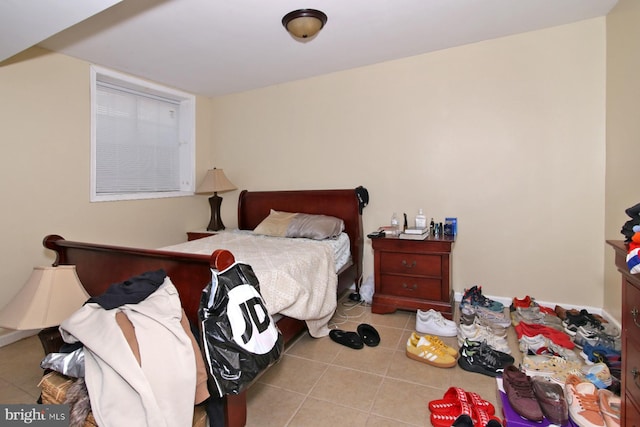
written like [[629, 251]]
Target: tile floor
[[317, 382]]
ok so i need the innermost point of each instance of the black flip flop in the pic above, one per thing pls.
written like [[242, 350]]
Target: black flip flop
[[369, 335], [349, 339]]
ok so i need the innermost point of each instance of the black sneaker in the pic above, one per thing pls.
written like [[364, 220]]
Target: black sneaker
[[483, 347], [585, 319], [486, 363]]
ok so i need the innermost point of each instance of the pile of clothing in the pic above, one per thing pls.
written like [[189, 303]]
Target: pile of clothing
[[135, 342]]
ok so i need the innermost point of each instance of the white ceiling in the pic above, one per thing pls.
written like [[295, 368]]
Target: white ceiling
[[24, 23], [215, 47]]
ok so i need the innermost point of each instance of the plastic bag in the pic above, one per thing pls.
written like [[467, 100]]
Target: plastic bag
[[69, 364], [240, 338]]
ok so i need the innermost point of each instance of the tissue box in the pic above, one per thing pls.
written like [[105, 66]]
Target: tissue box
[[450, 226]]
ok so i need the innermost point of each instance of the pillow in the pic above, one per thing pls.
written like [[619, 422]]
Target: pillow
[[286, 224], [275, 224], [318, 227]]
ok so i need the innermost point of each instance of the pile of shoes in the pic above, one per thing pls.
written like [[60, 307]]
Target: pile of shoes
[[462, 408], [598, 340], [539, 329], [587, 328], [557, 369], [482, 334], [537, 397]]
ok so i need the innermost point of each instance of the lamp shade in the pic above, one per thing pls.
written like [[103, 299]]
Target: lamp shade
[[215, 181], [50, 296]]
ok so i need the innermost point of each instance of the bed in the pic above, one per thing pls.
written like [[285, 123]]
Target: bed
[[99, 265]]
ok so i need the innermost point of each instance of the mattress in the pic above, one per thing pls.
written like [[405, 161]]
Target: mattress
[[298, 277], [340, 246]]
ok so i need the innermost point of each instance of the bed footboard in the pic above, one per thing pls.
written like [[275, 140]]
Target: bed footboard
[[98, 266]]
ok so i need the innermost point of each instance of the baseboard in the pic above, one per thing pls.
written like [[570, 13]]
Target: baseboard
[[8, 336]]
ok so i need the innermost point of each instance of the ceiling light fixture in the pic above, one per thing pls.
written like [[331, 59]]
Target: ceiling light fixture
[[304, 23]]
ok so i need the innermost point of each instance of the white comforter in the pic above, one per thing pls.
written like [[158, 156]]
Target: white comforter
[[297, 276]]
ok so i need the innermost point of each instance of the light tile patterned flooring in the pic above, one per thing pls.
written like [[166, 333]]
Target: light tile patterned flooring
[[317, 382]]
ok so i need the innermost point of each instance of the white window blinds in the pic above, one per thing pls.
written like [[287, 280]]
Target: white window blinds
[[141, 147]]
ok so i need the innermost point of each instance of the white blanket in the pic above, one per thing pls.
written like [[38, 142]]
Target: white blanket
[[297, 276]]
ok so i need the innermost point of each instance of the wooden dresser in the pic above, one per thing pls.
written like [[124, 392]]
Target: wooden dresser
[[412, 274], [630, 373]]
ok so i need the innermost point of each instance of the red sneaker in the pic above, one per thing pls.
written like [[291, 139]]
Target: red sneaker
[[524, 302]]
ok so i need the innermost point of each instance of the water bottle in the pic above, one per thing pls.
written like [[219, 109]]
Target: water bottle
[[395, 225]]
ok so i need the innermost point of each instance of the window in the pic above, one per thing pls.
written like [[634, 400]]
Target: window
[[142, 139]]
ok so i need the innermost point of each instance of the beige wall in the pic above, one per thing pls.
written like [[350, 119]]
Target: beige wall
[[623, 130], [45, 128], [508, 135]]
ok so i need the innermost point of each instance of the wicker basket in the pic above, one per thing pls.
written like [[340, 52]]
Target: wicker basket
[[54, 388]]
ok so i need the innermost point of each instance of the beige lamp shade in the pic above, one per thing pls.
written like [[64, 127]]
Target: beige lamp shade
[[51, 295], [215, 181]]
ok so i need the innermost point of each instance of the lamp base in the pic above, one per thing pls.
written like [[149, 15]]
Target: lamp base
[[215, 224]]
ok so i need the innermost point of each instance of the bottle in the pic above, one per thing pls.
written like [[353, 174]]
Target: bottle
[[395, 225], [421, 220]]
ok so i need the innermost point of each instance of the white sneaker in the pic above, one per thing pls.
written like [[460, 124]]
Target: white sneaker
[[471, 330], [533, 344], [433, 323], [479, 334], [486, 315], [546, 366]]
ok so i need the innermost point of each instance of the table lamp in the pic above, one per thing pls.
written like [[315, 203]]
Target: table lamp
[[215, 182], [51, 295]]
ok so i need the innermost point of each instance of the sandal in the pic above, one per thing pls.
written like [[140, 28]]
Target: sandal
[[451, 399], [446, 419], [349, 339], [368, 334]]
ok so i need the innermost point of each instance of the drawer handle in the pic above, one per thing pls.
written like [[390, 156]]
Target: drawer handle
[[406, 264], [410, 288], [634, 374], [634, 314]]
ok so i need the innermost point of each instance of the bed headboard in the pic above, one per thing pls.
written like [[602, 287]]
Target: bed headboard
[[254, 206]]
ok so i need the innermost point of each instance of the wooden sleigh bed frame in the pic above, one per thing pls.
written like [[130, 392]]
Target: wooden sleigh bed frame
[[98, 266]]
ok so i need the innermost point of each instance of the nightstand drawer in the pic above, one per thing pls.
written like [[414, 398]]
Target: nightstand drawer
[[411, 286], [410, 263]]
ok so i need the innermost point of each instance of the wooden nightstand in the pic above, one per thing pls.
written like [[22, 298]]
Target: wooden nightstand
[[413, 274], [194, 235]]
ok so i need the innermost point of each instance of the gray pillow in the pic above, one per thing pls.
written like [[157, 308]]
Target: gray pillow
[[286, 224]]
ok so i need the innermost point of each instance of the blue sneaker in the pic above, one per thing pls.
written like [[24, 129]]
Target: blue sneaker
[[600, 354]]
